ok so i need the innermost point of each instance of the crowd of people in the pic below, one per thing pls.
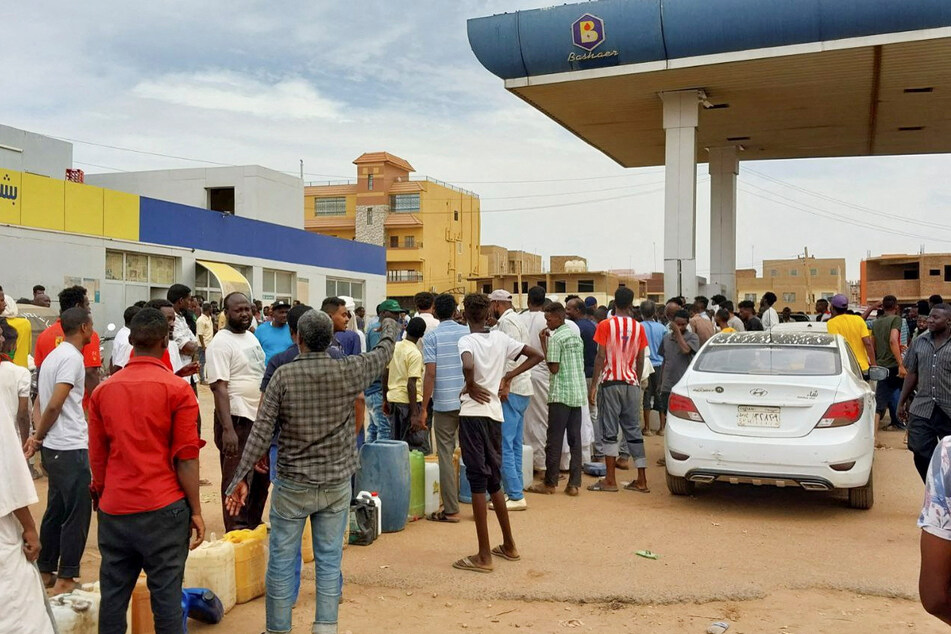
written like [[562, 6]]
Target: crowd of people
[[293, 385]]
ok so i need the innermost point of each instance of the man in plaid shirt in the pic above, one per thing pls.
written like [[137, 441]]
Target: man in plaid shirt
[[567, 394], [310, 401]]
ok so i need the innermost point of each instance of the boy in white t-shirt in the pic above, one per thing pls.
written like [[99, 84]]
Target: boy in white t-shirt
[[480, 424]]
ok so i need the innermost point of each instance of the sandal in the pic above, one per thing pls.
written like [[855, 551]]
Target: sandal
[[632, 486], [466, 564], [440, 516], [600, 486], [498, 551]]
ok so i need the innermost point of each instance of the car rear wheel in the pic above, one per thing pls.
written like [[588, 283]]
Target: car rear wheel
[[862, 497], [679, 486]]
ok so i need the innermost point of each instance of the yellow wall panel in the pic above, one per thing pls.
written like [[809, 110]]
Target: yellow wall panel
[[84, 209], [43, 203], [121, 215], [11, 197]]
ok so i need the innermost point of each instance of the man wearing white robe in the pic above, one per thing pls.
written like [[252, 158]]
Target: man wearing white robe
[[21, 589]]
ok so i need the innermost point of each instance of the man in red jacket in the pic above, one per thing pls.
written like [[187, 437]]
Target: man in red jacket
[[143, 452]]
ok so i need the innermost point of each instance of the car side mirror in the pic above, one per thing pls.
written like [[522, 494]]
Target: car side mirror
[[877, 373]]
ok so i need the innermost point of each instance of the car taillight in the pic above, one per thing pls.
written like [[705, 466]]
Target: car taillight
[[841, 414], [683, 407]]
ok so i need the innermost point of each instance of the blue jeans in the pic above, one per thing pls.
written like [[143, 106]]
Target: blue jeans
[[513, 412], [328, 507], [379, 426]]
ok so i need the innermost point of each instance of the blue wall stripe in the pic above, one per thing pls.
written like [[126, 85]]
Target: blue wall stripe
[[538, 41], [172, 224]]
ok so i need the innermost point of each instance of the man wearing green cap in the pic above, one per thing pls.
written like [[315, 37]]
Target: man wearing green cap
[[379, 427]]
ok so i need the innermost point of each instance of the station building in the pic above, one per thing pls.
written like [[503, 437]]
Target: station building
[[129, 236]]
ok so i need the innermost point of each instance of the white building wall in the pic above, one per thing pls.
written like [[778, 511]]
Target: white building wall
[[259, 193], [35, 256], [24, 151]]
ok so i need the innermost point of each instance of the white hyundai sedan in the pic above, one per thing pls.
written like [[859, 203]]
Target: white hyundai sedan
[[773, 408]]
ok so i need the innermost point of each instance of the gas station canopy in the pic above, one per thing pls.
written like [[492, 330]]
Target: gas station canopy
[[778, 79]]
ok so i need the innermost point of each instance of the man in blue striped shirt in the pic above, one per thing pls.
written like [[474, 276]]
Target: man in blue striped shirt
[[442, 386]]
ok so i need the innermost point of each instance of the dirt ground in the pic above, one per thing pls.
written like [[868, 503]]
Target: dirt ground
[[763, 559]]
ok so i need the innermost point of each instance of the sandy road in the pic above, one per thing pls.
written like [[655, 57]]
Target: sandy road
[[766, 559]]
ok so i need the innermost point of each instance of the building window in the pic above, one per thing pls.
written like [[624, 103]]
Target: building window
[[455, 215], [330, 206], [370, 182], [404, 202], [585, 286], [947, 273], [524, 287], [458, 277], [140, 268], [935, 272], [394, 242], [789, 297], [486, 288], [346, 288], [773, 272], [277, 285], [749, 297], [404, 276], [542, 283], [833, 271], [409, 242], [459, 248], [221, 199], [369, 216], [813, 272], [561, 286], [827, 295], [515, 287], [794, 273]]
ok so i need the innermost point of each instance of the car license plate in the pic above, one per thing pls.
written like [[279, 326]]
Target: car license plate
[[750, 416]]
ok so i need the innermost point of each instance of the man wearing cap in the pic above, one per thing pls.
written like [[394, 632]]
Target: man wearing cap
[[379, 426], [275, 335], [854, 329], [513, 405]]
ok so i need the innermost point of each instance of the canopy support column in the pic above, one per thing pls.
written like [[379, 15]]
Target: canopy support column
[[680, 193], [724, 167]]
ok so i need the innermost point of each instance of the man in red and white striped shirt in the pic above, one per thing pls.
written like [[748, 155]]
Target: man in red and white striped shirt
[[617, 369]]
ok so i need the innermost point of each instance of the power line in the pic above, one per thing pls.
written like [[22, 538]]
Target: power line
[[557, 180], [106, 167], [822, 213], [857, 207], [581, 191]]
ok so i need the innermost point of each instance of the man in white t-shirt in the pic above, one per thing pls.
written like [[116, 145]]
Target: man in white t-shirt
[[513, 407], [769, 316], [536, 414], [121, 348], [480, 424], [14, 382], [234, 367], [63, 438]]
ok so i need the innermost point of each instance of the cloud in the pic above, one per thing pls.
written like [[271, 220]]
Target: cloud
[[272, 83], [289, 98]]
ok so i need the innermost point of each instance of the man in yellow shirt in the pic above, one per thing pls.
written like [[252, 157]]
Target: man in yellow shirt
[[403, 380], [854, 329]]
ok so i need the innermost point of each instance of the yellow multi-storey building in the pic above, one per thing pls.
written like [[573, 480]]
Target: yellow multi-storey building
[[431, 230]]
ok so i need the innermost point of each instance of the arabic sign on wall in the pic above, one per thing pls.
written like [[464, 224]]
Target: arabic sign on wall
[[10, 196]]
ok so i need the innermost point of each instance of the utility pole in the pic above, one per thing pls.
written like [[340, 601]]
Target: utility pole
[[302, 169], [519, 282], [810, 300]]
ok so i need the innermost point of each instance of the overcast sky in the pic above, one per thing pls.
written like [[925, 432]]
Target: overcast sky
[[274, 82]]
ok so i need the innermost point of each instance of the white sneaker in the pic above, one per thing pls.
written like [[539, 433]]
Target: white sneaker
[[516, 505]]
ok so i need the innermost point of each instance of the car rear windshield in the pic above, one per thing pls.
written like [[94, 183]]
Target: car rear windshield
[[771, 360]]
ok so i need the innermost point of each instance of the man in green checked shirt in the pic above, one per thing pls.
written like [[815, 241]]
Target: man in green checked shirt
[[567, 394]]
